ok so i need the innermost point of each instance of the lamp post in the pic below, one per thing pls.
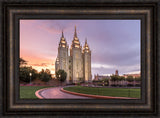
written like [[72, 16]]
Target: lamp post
[[103, 83], [126, 82], [134, 82], [30, 74], [59, 79]]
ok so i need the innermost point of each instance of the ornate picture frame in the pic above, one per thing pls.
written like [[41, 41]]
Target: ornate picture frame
[[12, 12]]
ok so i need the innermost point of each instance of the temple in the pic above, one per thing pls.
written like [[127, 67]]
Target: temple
[[77, 63]]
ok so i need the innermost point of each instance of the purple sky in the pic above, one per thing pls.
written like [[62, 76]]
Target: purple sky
[[115, 44]]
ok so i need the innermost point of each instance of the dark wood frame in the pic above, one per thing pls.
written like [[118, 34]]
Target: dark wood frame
[[147, 12]]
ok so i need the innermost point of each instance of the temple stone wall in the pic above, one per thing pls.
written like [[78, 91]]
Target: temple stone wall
[[87, 67], [64, 60], [77, 65]]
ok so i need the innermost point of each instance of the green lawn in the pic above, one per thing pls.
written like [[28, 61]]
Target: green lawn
[[28, 92], [115, 92]]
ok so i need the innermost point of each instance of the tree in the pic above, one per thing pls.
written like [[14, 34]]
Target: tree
[[61, 75], [22, 62], [45, 75], [121, 78], [114, 78], [130, 79], [24, 74], [138, 79], [81, 80], [105, 80]]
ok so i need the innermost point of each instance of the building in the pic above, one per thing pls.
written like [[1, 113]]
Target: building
[[116, 72], [77, 63], [134, 75], [101, 77]]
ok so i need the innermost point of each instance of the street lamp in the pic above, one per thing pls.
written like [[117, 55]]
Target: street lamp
[[30, 74], [125, 82], [134, 81], [60, 80]]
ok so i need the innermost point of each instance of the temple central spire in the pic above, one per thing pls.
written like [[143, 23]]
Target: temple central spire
[[75, 42], [75, 32], [62, 34]]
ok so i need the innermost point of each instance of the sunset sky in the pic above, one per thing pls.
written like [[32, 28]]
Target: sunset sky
[[115, 44]]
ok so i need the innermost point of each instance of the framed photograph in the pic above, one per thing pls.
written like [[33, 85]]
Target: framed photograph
[[76, 68], [80, 58]]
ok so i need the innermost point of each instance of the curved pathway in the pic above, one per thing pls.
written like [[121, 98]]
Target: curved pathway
[[56, 93]]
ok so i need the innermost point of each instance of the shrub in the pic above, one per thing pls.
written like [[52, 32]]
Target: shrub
[[24, 74], [61, 75], [130, 79], [45, 75]]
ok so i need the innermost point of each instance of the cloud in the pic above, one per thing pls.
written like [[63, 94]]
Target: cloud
[[108, 69], [115, 44], [56, 26], [133, 72], [42, 64], [128, 56], [53, 69], [27, 22], [101, 66]]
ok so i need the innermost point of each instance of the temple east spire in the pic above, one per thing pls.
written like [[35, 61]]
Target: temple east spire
[[86, 47], [86, 41]]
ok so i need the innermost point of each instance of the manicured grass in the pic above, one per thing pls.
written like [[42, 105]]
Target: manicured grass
[[115, 92], [28, 92]]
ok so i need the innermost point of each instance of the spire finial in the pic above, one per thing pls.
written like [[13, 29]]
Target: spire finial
[[75, 32], [62, 34], [86, 40]]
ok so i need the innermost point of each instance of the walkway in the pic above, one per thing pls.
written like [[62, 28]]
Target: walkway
[[56, 93]]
